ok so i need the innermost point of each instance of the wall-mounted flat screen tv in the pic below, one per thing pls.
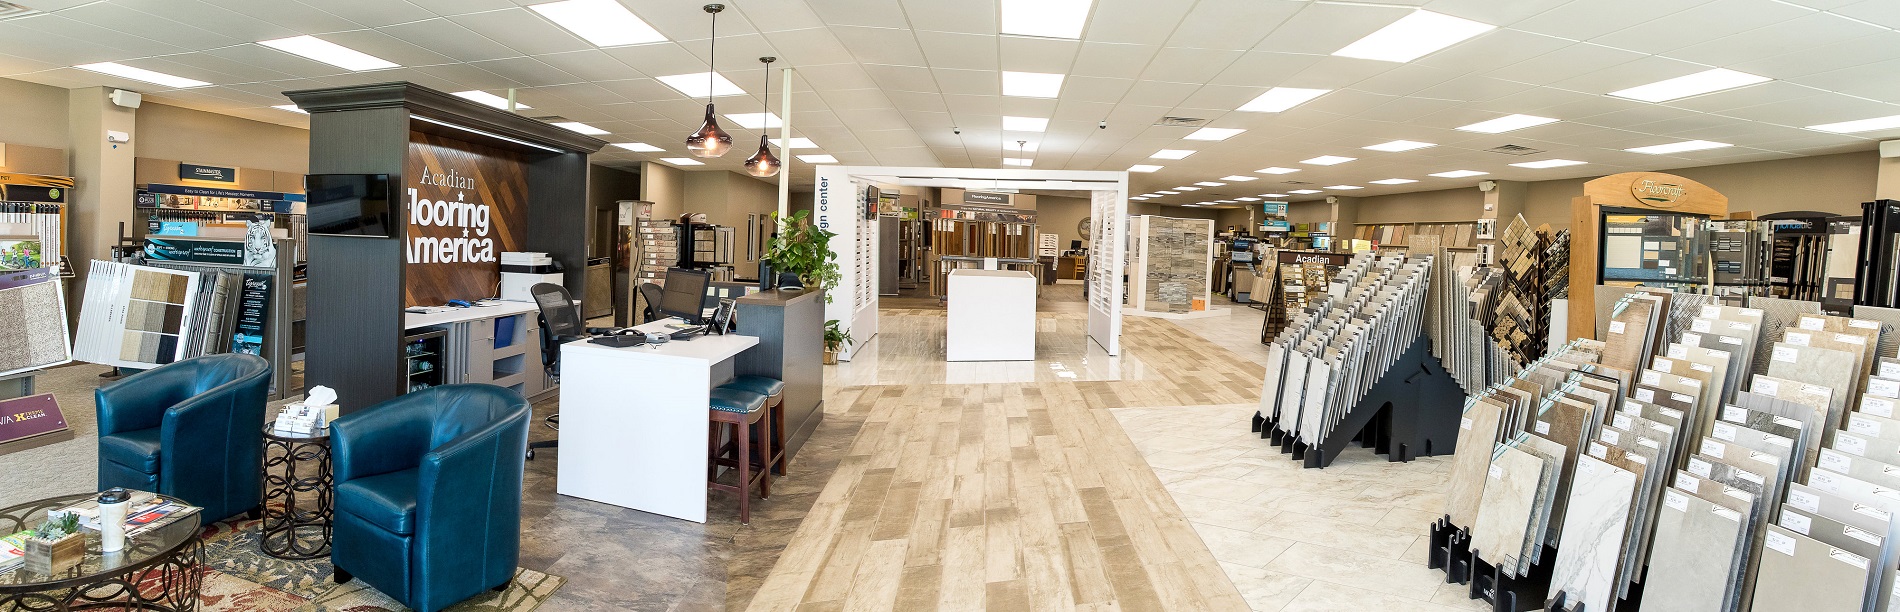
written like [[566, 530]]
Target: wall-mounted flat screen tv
[[352, 205]]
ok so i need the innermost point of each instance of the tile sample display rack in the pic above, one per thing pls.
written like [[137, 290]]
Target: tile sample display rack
[[1451, 234], [1288, 293], [1451, 551], [1395, 397], [1174, 264]]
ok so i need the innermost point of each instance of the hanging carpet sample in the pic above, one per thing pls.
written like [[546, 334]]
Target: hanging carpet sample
[[135, 316], [33, 320]]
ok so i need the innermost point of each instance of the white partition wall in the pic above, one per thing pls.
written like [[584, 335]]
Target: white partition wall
[[839, 208]]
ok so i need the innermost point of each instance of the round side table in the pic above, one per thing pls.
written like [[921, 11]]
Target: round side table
[[298, 490], [159, 570]]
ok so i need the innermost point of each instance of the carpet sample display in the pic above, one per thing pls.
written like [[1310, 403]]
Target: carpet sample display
[[33, 313], [135, 316]]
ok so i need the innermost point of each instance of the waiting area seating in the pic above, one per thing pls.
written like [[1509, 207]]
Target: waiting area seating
[[192, 430]]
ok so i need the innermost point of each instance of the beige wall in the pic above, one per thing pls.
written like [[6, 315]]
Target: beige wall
[[1426, 206], [605, 188], [727, 198], [34, 115], [170, 132], [665, 187], [1060, 215], [34, 160]]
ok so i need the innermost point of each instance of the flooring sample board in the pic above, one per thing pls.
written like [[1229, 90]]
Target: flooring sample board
[[1627, 337], [1695, 557], [1864, 359], [1512, 486], [1477, 429], [1816, 397], [1593, 533], [1270, 387], [1290, 391], [1567, 423], [1889, 320], [1313, 422], [1835, 370], [135, 316], [33, 317], [1778, 315], [1714, 363], [1804, 575], [1554, 456], [1872, 426]]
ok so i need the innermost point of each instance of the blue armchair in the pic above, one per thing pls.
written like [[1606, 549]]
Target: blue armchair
[[428, 493], [192, 429]]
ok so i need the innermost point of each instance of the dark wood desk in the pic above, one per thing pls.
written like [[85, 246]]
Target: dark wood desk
[[790, 326]]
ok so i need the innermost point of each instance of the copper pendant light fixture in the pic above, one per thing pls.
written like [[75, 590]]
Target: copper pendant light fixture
[[763, 163], [709, 140]]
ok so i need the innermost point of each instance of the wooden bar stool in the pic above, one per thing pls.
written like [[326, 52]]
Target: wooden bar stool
[[744, 411], [774, 391]]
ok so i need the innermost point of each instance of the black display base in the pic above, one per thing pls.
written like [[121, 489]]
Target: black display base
[[1451, 551], [1411, 412], [1633, 603]]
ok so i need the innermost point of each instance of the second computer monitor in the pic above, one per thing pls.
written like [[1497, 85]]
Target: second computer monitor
[[684, 294]]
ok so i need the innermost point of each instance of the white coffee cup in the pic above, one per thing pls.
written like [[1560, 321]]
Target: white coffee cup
[[113, 505]]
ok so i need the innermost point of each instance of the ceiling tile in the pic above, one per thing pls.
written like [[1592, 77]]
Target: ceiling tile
[[369, 13], [523, 31], [1135, 21], [1235, 25], [1022, 54], [451, 39], [1325, 28], [881, 45], [1181, 65]]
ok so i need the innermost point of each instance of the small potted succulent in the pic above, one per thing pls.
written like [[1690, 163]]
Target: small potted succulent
[[56, 545], [836, 340]]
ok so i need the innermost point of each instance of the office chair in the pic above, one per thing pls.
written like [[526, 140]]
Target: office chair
[[560, 324], [652, 294]]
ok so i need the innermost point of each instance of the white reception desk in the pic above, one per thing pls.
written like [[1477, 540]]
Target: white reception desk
[[992, 316], [634, 423]]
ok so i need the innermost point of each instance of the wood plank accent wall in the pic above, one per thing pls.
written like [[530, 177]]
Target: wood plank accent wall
[[478, 208]]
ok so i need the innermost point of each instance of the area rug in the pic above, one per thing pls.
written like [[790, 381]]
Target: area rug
[[239, 576]]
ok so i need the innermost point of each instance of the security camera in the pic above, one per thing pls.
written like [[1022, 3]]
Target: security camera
[[956, 130], [1102, 125]]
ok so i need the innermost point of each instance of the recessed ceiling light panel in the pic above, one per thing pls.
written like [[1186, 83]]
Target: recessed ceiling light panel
[[1277, 170], [1304, 191], [1507, 123], [695, 85], [580, 127], [1327, 160], [140, 74], [1458, 173], [311, 47], [1172, 154], [1016, 161], [1399, 145], [1393, 181], [1208, 133], [638, 147], [1549, 163], [682, 161], [1863, 125], [818, 159], [1696, 84], [1046, 18], [1187, 188], [1279, 99], [797, 143], [1344, 187], [1025, 124], [1247, 199], [603, 22], [1273, 195], [1238, 178], [1168, 192], [292, 108], [1414, 36], [1680, 147], [755, 121], [1031, 84], [1210, 184], [1143, 168], [490, 99]]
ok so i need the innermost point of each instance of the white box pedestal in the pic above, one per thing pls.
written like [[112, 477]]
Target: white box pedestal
[[992, 316]]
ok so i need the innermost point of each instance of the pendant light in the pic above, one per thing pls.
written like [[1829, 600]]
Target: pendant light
[[763, 164], [709, 140]]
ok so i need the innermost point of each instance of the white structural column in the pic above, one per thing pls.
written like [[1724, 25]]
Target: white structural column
[[785, 149]]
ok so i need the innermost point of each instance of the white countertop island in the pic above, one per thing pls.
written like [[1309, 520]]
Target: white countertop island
[[992, 316]]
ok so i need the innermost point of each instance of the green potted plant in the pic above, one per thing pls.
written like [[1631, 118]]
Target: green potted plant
[[836, 340], [803, 249], [55, 546]]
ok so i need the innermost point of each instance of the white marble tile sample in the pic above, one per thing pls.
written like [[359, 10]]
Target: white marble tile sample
[[1593, 534]]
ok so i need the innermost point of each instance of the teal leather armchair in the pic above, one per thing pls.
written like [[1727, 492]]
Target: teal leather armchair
[[192, 429], [428, 493]]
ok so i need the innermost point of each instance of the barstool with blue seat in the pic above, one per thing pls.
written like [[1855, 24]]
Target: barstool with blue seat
[[774, 391], [744, 410]]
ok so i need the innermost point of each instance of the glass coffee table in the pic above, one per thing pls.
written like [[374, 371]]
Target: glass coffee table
[[161, 569]]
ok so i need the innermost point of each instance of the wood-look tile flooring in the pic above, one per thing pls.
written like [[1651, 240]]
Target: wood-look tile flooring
[[1007, 495]]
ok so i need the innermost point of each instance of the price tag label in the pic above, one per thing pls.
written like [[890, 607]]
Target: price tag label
[[1638, 459], [1824, 480], [1786, 355], [1682, 397], [1817, 390], [1677, 351], [1797, 339], [1712, 312], [1616, 327], [1836, 461], [1871, 511], [1734, 413], [1620, 421], [1860, 535], [1847, 557], [1652, 378], [1750, 476], [1713, 448], [1779, 542], [1798, 523], [1611, 436], [1645, 395], [1851, 444], [1632, 407], [1677, 501], [1692, 338], [1700, 467], [1464, 423], [1883, 387], [1497, 472], [1805, 500], [1864, 324], [1702, 367], [1663, 365], [1729, 340], [1726, 513], [1850, 339], [1750, 312], [1738, 326], [1701, 326], [1688, 483], [1788, 423], [1598, 450], [1767, 387], [1641, 441], [1877, 406], [1722, 431], [1863, 426], [1889, 369], [1812, 323], [1670, 412], [1543, 428]]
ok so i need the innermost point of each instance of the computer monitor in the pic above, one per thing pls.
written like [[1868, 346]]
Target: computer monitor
[[684, 294], [1075, 245]]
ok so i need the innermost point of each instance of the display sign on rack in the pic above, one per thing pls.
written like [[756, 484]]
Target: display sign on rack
[[30, 417], [984, 197], [197, 172], [253, 311], [183, 197]]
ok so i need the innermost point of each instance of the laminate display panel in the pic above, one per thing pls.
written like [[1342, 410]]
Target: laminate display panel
[[1695, 556], [1627, 337]]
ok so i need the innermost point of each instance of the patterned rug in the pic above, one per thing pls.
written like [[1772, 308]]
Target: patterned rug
[[239, 576]]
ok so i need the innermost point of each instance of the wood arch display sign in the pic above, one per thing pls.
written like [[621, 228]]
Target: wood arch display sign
[[1633, 191]]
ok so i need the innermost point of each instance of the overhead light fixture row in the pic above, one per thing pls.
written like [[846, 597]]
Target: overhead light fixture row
[[489, 99], [1239, 178], [1458, 173], [682, 161], [695, 85], [1393, 181], [1303, 191], [797, 143], [1327, 160], [1277, 170], [1862, 125], [1210, 184], [580, 127], [1344, 187], [1172, 154], [140, 74], [1025, 124], [1507, 123], [638, 147], [1279, 99], [1045, 18], [1017, 161], [1247, 199], [1549, 163], [1397, 146], [1210, 133], [1168, 192], [818, 159], [1679, 147], [1187, 188], [605, 23], [1143, 168], [756, 121], [1031, 84], [1414, 36]]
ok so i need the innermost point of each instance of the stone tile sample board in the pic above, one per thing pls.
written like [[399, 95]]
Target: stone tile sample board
[[1778, 315], [1512, 486], [1695, 556], [1801, 574], [1627, 337], [1590, 545], [1477, 431]]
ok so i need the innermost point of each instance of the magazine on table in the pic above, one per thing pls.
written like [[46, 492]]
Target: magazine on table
[[13, 551], [146, 511]]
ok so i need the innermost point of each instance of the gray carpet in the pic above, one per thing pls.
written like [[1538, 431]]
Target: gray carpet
[[68, 467]]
